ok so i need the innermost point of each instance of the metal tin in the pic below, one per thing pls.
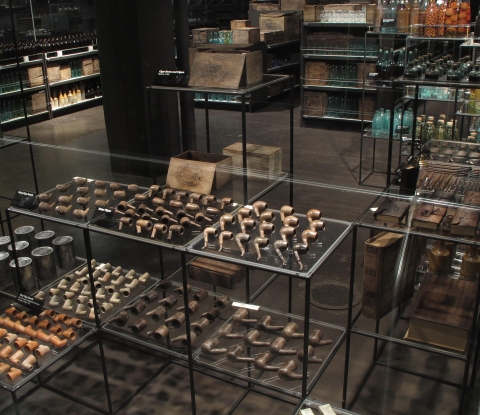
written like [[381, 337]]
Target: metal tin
[[25, 269], [64, 251], [44, 263], [25, 233], [5, 274], [44, 238], [4, 242], [22, 248]]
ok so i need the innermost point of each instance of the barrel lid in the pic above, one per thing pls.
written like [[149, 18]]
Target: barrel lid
[[62, 240], [4, 255], [42, 251], [44, 234], [4, 240], [19, 245], [22, 262], [24, 229]]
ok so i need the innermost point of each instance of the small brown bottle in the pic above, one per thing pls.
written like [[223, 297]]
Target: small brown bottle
[[470, 268]]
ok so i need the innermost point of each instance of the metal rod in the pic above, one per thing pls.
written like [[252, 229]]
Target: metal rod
[[244, 150], [290, 294], [14, 251], [238, 402], [160, 257], [105, 374], [390, 143], [263, 287], [207, 122], [292, 86], [189, 337], [349, 315], [88, 251], [305, 337], [247, 286]]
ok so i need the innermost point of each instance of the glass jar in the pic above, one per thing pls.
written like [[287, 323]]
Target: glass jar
[[414, 17], [403, 15], [430, 132], [431, 17], [439, 258], [474, 75], [418, 128], [451, 19], [441, 18], [421, 17], [453, 74], [464, 17], [449, 131], [470, 267], [440, 133]]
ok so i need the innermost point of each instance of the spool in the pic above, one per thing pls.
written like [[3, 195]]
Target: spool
[[44, 263], [64, 251], [5, 273], [22, 248], [25, 233], [27, 278], [4, 242], [44, 238]]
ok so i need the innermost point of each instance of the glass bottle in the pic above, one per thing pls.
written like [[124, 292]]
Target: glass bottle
[[439, 258], [470, 267], [402, 16], [377, 123], [386, 122], [474, 75], [453, 74], [471, 102], [378, 65], [378, 16], [430, 132], [392, 13], [421, 17], [385, 66], [431, 17], [449, 131], [440, 133], [432, 73], [451, 19], [414, 17], [410, 72]]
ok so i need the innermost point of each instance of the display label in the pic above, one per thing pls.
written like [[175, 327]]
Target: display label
[[249, 306], [166, 78], [30, 302], [402, 129], [103, 217], [24, 199], [389, 24]]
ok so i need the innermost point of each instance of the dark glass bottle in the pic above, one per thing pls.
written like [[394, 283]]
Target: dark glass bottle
[[410, 72], [432, 73], [474, 75], [454, 74]]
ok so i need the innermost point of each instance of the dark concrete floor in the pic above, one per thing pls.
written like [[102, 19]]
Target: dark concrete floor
[[326, 167]]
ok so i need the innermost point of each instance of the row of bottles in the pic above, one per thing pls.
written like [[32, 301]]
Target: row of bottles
[[9, 81], [76, 68], [341, 106], [343, 75], [7, 50], [386, 66], [13, 108], [442, 69], [429, 18], [61, 97], [381, 122], [427, 129]]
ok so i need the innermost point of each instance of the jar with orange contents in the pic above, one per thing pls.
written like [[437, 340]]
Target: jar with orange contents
[[431, 16], [464, 18], [451, 19]]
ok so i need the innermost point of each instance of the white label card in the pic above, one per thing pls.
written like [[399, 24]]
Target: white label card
[[326, 410], [249, 306], [306, 411]]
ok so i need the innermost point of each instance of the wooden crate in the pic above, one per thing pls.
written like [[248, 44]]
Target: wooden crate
[[200, 35], [261, 6], [296, 4], [368, 106], [65, 71], [267, 36], [53, 72], [199, 172], [246, 35], [87, 65], [312, 13], [96, 65], [226, 70], [35, 75], [315, 103], [362, 72], [237, 24], [370, 11], [265, 159], [316, 73], [288, 22], [39, 102]]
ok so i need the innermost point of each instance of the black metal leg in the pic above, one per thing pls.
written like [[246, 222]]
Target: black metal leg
[[88, 250], [306, 330], [292, 86], [290, 294], [160, 257], [189, 337], [207, 122], [105, 374], [247, 286], [390, 143], [244, 150], [1, 224], [15, 403], [349, 316], [15, 256]]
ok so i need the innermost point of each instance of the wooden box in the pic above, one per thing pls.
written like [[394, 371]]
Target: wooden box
[[53, 72], [267, 36], [39, 102], [244, 35], [237, 24], [315, 103], [316, 73], [370, 10], [199, 172], [262, 6], [200, 36], [296, 4], [219, 273], [259, 158], [288, 22], [65, 71], [229, 70], [312, 13], [362, 72], [35, 75], [367, 107], [87, 64], [96, 65]]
